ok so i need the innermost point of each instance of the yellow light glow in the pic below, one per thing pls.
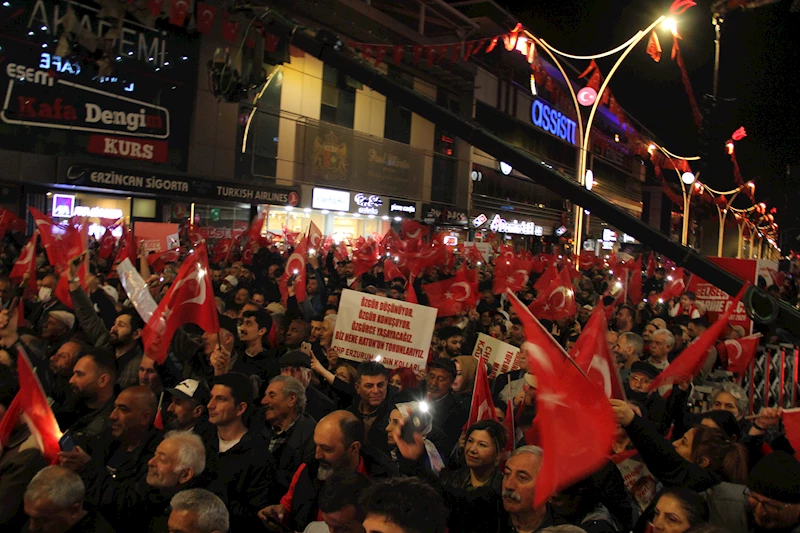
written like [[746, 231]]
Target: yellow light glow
[[533, 85], [670, 25], [729, 147]]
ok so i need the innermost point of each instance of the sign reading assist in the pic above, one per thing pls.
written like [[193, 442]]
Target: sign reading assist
[[553, 121]]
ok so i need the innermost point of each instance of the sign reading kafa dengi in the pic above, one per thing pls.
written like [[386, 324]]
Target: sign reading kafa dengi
[[64, 106]]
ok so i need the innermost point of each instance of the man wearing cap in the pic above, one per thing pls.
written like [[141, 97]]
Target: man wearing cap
[[186, 410], [770, 502], [638, 388], [448, 414], [584, 312], [236, 457], [56, 330], [297, 364]]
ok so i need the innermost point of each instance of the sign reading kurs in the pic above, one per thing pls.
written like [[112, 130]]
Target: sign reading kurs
[[121, 179]]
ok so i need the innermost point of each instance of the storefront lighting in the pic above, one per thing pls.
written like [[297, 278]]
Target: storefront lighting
[[307, 210], [370, 217], [49, 194], [289, 208], [325, 211], [397, 219], [6, 4], [384, 217], [356, 215], [342, 213]]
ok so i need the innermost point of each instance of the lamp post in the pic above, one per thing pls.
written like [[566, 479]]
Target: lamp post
[[585, 130], [723, 211], [687, 179]]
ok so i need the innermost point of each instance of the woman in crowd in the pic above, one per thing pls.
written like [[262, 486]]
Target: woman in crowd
[[678, 510], [466, 367], [431, 460], [325, 340], [403, 379]]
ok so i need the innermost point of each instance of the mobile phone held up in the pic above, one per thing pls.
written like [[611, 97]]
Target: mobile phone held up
[[66, 442], [415, 422]]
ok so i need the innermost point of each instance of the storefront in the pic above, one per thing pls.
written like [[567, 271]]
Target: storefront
[[452, 223], [514, 229], [342, 214]]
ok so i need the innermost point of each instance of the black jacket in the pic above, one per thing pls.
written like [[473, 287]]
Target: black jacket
[[318, 405], [303, 493], [296, 450], [92, 522], [248, 473], [477, 510], [376, 436], [449, 416], [90, 428]]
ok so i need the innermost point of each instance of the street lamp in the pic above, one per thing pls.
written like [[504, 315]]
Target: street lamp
[[688, 178], [722, 212]]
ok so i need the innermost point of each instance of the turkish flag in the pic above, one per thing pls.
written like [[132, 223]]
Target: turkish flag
[[26, 262], [189, 299], [791, 424], [36, 410], [127, 248], [654, 47], [591, 354], [546, 279], [675, 285], [411, 294], [411, 229], [365, 257], [194, 236], [690, 361], [390, 271], [204, 17], [230, 28], [314, 237], [53, 237], [740, 353], [574, 424], [587, 260], [391, 242], [635, 285], [10, 222], [107, 243], [455, 295], [431, 256], [221, 250], [482, 407], [651, 265], [254, 236], [510, 274], [75, 243], [9, 421], [557, 301], [295, 266], [178, 10], [157, 262]]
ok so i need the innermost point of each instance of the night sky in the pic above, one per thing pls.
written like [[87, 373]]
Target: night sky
[[759, 67]]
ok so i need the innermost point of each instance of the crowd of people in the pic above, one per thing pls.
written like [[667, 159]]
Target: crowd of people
[[264, 426]]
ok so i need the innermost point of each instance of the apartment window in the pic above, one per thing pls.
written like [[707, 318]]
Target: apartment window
[[261, 152], [398, 119], [338, 98]]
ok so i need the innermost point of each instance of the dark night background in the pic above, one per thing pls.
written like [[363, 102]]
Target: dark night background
[[759, 64]]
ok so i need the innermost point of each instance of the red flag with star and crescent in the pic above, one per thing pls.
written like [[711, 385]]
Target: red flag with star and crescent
[[314, 238], [547, 278], [253, 236], [10, 222], [295, 266], [690, 361], [675, 285], [575, 425], [482, 407], [592, 355], [511, 273], [221, 251], [26, 263], [411, 229], [740, 353], [190, 299], [557, 301], [390, 271], [455, 295]]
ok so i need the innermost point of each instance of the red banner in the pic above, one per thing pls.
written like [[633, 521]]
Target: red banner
[[716, 301]]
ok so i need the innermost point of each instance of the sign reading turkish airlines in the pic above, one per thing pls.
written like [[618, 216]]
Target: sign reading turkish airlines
[[67, 105]]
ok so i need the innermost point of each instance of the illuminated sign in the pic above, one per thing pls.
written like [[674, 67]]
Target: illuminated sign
[[553, 121], [97, 212], [609, 235], [501, 225], [587, 96], [561, 230], [63, 205], [402, 207], [367, 204], [450, 240], [330, 199], [479, 220], [505, 168]]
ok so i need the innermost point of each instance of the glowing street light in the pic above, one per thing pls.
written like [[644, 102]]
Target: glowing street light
[[688, 178], [670, 25], [589, 179]]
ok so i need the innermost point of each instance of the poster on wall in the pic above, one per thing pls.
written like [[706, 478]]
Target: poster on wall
[[76, 83], [157, 236], [374, 328]]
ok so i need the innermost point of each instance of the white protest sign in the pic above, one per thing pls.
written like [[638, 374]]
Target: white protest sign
[[502, 356], [368, 326], [136, 289]]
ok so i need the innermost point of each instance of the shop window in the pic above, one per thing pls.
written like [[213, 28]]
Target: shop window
[[398, 119], [338, 98], [144, 208]]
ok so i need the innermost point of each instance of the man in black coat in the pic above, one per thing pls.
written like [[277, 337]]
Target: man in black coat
[[297, 364], [374, 403]]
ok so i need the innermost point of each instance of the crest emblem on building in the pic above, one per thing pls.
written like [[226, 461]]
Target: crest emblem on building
[[329, 158]]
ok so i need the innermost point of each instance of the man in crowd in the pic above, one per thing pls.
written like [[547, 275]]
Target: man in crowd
[[186, 410], [297, 364], [339, 439], [625, 320], [285, 426], [374, 406], [450, 339], [339, 504], [448, 414], [61, 364], [404, 505], [519, 480], [661, 343], [56, 329], [627, 350], [197, 511], [255, 359], [54, 502], [237, 458]]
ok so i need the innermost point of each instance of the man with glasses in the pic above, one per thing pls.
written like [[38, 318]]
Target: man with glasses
[[770, 501]]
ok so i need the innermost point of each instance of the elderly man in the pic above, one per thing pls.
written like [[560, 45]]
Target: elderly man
[[661, 342], [286, 427], [61, 364], [519, 480], [54, 504], [339, 445], [197, 511], [637, 388], [297, 364], [56, 329]]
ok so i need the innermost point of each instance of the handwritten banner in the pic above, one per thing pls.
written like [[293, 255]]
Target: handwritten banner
[[369, 326], [502, 356]]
